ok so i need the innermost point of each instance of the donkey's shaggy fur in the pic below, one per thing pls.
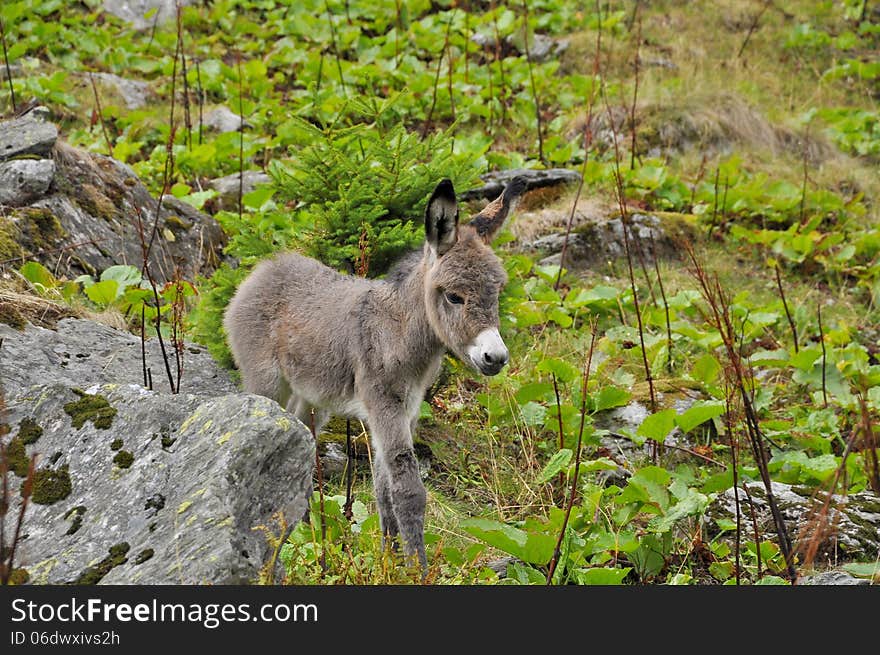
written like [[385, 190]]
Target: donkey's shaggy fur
[[311, 338]]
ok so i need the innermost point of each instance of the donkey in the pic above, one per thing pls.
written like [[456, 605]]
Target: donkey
[[313, 339]]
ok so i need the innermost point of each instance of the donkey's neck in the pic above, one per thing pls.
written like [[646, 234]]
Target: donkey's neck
[[419, 343]]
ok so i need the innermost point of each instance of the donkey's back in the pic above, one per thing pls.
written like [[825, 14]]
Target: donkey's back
[[288, 315]]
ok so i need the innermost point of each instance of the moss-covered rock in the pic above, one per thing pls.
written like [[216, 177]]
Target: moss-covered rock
[[16, 457], [123, 459], [94, 574], [143, 556], [89, 407], [19, 576], [76, 516], [51, 485], [29, 431], [116, 444]]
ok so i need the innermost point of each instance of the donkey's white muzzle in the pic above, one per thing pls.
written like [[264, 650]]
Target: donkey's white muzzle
[[488, 352]]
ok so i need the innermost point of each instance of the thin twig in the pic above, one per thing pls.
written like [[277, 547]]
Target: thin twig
[[240, 142], [100, 112], [632, 114], [791, 324], [335, 48], [585, 381], [588, 141], [752, 28], [665, 306], [559, 418], [445, 51], [824, 354], [532, 80], [8, 69], [320, 471]]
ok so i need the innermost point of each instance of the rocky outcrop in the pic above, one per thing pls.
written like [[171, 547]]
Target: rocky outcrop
[[80, 352], [139, 486], [135, 11], [227, 187], [78, 212], [495, 182], [222, 119], [852, 532], [597, 239]]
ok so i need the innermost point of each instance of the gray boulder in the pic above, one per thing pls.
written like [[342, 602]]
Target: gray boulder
[[854, 520], [89, 214], [26, 135], [23, 180], [80, 352], [596, 240], [169, 492], [139, 486], [222, 119], [134, 11], [834, 578], [495, 182], [133, 93], [227, 187]]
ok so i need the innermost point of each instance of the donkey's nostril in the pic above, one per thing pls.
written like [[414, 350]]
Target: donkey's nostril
[[496, 358]]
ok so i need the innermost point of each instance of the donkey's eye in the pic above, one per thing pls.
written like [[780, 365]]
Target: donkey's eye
[[454, 298]]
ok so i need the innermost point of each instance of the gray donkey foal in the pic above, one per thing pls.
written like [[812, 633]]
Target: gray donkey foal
[[311, 338]]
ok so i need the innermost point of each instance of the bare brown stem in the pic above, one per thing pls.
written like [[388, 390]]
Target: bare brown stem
[[537, 101], [100, 111], [585, 381], [791, 323], [6, 63]]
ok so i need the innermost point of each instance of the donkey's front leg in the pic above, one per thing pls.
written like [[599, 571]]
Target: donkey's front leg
[[397, 461], [382, 486]]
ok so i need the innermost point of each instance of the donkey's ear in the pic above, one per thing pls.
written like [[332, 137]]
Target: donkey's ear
[[441, 218], [489, 221]]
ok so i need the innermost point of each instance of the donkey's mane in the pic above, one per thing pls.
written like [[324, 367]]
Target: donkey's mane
[[403, 267]]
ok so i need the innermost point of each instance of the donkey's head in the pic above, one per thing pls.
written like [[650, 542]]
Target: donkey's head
[[463, 277]]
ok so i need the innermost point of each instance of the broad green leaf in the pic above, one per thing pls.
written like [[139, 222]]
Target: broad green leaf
[[125, 276], [258, 197], [691, 505], [36, 273], [601, 576], [870, 570], [533, 414], [103, 293], [564, 371], [772, 580], [600, 464], [697, 414], [557, 463], [647, 485], [531, 547], [658, 425], [805, 359], [525, 574], [533, 391], [609, 397], [559, 316]]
